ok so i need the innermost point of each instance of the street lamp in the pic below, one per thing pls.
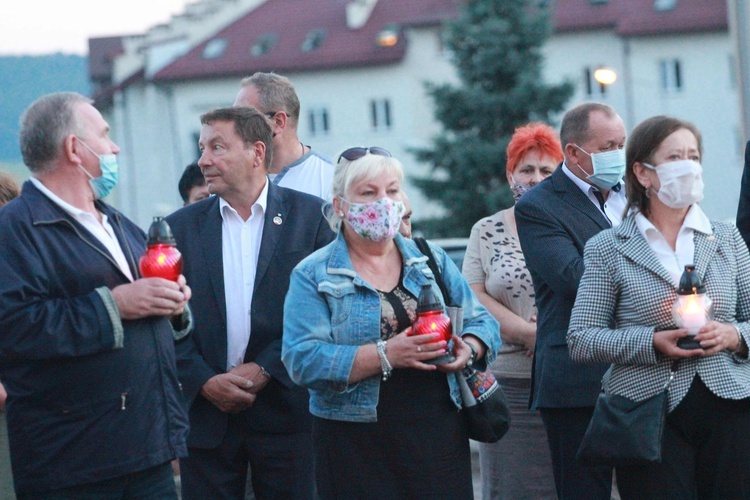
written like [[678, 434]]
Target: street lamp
[[605, 76]]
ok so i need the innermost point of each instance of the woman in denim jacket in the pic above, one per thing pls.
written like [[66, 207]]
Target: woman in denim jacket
[[385, 420]]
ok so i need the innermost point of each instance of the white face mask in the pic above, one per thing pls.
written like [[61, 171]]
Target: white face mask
[[681, 182]]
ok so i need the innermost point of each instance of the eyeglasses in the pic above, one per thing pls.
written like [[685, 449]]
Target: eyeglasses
[[353, 154]]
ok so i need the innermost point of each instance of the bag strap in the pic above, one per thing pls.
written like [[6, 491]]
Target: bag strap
[[432, 264], [672, 371]]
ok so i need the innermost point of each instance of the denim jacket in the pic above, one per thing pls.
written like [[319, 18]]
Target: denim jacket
[[330, 311]]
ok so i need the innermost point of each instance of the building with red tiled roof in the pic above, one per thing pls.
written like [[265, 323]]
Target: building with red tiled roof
[[359, 67], [290, 36]]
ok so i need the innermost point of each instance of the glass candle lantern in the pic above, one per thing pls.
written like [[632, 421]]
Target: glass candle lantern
[[693, 308], [432, 319], [161, 259]]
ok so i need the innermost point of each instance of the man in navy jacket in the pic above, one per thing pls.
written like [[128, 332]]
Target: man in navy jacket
[[240, 247], [555, 220], [86, 345]]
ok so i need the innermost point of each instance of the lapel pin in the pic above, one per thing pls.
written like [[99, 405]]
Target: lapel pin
[[277, 220], [711, 238]]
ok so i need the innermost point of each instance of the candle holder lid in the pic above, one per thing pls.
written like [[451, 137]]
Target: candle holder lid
[[160, 233], [690, 282], [428, 301]]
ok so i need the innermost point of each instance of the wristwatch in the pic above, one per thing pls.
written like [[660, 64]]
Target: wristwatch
[[473, 354]]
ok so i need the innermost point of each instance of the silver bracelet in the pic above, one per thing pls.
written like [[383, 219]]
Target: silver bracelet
[[739, 340], [384, 364]]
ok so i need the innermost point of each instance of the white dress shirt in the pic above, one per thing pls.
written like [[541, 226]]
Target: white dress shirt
[[240, 247], [101, 231], [614, 206], [674, 261]]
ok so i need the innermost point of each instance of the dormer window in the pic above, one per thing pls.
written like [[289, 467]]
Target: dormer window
[[215, 48], [664, 5], [263, 44], [313, 40], [388, 36]]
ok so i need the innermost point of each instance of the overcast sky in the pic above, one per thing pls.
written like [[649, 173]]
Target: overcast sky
[[32, 27]]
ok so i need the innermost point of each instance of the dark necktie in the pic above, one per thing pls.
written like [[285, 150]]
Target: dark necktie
[[600, 198]]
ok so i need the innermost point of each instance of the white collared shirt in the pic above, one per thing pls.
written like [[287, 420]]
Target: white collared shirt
[[101, 231], [614, 205], [240, 247], [674, 261]]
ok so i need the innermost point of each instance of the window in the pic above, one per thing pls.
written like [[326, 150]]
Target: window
[[593, 88], [443, 48], [388, 36], [214, 48], [664, 5], [313, 40], [380, 114], [263, 44], [671, 75], [318, 119], [733, 80]]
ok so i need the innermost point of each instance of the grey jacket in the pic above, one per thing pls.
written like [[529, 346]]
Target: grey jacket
[[626, 295]]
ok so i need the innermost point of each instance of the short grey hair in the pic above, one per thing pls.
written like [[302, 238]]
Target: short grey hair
[[575, 123], [45, 125], [275, 93], [348, 172]]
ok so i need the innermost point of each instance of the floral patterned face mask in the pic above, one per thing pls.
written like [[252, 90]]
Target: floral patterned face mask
[[378, 220], [519, 188]]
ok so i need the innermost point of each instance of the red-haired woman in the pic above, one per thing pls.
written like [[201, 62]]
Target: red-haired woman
[[519, 465]]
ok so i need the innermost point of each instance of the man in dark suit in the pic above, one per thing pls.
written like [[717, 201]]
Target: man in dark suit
[[743, 210], [555, 220], [240, 247]]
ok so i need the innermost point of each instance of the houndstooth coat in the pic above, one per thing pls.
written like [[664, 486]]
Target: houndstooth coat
[[626, 294]]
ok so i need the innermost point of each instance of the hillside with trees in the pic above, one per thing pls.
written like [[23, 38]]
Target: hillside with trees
[[25, 78]]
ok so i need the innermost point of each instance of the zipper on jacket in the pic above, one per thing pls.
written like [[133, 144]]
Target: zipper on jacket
[[123, 396]]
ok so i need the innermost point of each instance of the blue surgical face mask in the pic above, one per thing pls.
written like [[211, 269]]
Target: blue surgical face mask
[[103, 185], [609, 168]]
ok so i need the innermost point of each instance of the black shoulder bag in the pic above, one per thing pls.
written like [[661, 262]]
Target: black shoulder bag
[[625, 432], [485, 412]]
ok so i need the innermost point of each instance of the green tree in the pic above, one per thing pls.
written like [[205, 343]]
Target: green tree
[[496, 47]]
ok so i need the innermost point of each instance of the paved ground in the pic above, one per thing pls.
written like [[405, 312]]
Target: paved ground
[[476, 479], [6, 483], [6, 487]]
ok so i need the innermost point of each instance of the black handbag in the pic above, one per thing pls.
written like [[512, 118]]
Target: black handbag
[[485, 413], [625, 432]]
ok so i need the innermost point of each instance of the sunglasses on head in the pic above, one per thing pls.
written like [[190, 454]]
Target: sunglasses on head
[[353, 154]]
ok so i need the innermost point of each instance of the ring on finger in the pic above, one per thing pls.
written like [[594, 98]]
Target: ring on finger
[[419, 348]]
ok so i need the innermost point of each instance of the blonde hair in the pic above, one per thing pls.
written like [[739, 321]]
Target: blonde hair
[[348, 172]]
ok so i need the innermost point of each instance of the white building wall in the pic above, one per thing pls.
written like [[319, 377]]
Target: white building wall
[[708, 97], [156, 125]]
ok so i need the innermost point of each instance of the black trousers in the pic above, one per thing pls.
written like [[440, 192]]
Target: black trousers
[[281, 466], [156, 483], [565, 429], [705, 452]]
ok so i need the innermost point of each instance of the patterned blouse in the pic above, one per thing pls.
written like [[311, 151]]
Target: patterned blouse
[[494, 258]]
